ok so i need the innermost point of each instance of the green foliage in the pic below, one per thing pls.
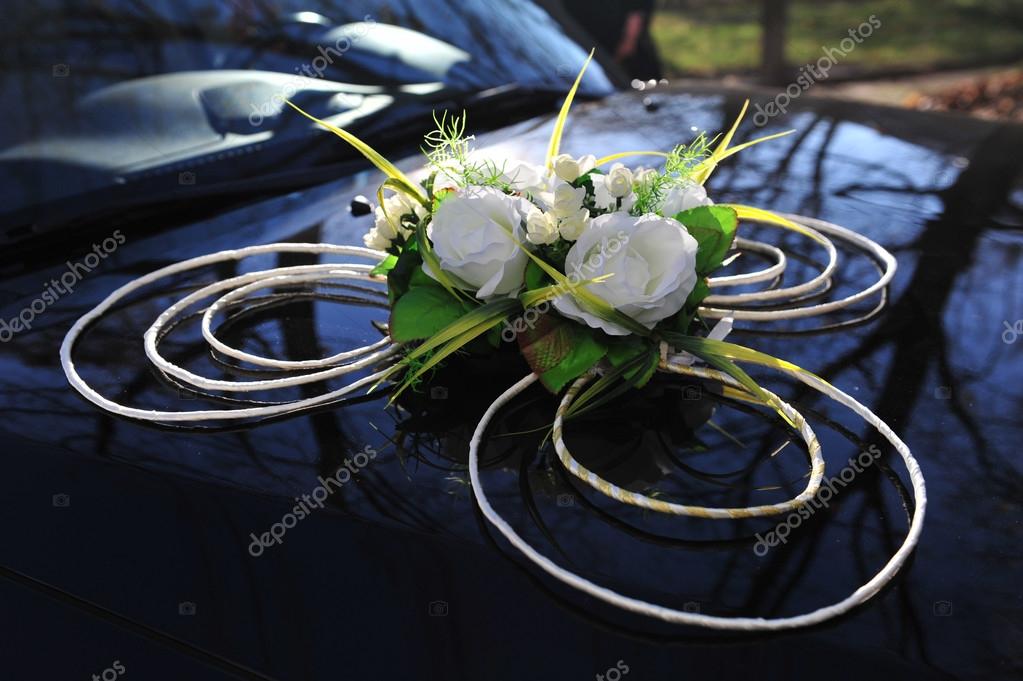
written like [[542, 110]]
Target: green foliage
[[535, 277], [633, 362], [384, 266], [399, 276], [559, 350], [679, 165], [422, 312], [451, 338], [447, 150], [714, 229]]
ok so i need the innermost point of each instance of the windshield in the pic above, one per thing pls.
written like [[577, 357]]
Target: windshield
[[128, 101]]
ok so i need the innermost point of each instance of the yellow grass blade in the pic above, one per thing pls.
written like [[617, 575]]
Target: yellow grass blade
[[559, 124], [371, 154], [626, 154]]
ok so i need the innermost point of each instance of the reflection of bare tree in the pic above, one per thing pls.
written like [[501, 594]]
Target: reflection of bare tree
[[914, 324]]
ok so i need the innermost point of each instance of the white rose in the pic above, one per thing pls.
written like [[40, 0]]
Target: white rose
[[683, 197], [522, 176], [541, 227], [619, 181], [374, 239], [644, 176], [449, 177], [388, 217], [472, 233], [568, 200], [572, 227], [587, 163], [602, 198], [652, 260], [566, 167], [571, 169]]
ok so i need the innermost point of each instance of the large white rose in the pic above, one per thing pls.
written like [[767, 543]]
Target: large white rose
[[471, 234], [652, 260]]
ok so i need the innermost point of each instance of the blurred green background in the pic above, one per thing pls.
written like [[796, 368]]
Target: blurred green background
[[960, 55], [715, 37]]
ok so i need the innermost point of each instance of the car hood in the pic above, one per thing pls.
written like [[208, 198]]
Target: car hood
[[942, 192]]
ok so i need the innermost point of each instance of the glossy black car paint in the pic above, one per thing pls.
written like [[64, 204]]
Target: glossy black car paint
[[399, 577]]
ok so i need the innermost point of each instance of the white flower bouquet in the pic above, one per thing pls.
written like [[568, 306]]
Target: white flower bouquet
[[581, 261]]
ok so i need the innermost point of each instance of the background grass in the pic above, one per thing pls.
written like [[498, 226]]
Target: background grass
[[712, 37]]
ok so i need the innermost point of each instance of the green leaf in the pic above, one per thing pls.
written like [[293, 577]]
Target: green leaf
[[535, 276], [451, 338], [488, 312], [421, 278], [559, 350], [422, 312], [636, 366], [714, 229], [626, 351], [399, 278], [384, 266]]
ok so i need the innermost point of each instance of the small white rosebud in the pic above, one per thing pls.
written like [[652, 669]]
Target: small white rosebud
[[644, 176], [374, 239], [587, 163], [572, 227], [619, 181], [386, 225], [541, 228], [566, 167], [568, 199]]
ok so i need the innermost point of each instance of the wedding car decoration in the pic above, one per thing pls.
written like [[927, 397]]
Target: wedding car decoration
[[600, 274]]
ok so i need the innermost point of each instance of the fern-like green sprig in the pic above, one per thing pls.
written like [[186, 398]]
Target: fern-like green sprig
[[447, 150], [679, 166]]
